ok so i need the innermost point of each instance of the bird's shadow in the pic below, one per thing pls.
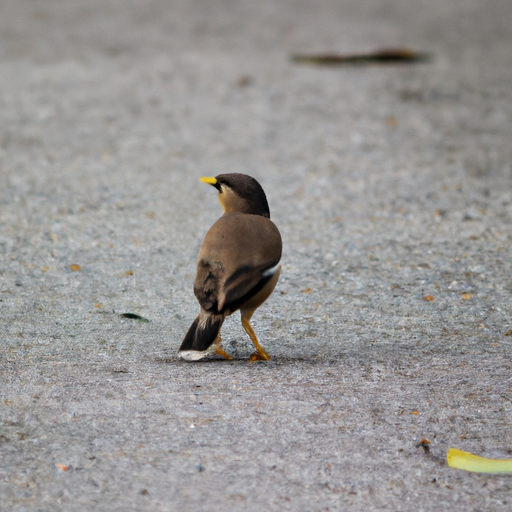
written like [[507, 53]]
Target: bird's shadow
[[239, 361]]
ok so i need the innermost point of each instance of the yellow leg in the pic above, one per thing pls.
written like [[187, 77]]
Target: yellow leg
[[218, 348], [260, 354]]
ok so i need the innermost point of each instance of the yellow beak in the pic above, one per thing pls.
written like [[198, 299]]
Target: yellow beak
[[210, 181]]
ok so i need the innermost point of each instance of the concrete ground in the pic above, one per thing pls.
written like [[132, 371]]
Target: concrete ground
[[390, 184]]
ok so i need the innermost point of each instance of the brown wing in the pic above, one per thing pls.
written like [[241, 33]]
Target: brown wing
[[235, 252]]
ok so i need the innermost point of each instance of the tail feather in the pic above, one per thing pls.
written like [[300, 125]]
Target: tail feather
[[202, 333]]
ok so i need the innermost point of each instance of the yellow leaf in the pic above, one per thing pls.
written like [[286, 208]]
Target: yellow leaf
[[466, 296], [307, 290], [415, 413], [45, 268], [75, 268], [469, 462], [428, 298], [62, 467]]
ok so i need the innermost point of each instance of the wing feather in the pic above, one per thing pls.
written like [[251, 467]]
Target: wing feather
[[235, 253]]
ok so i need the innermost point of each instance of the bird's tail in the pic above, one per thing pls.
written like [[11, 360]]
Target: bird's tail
[[200, 336]]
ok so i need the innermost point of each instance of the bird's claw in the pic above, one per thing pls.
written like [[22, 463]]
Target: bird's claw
[[259, 356]]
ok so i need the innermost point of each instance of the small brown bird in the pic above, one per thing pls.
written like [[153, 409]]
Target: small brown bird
[[237, 268]]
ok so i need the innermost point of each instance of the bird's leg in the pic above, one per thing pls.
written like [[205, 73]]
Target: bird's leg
[[260, 354], [218, 348]]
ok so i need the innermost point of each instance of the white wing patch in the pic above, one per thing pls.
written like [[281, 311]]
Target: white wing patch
[[270, 271]]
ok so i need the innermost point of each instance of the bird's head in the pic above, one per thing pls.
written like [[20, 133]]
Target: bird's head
[[240, 193]]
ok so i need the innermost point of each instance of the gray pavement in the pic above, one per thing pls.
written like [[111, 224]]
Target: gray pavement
[[389, 184]]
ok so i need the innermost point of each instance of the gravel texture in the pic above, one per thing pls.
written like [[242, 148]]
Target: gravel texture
[[391, 185]]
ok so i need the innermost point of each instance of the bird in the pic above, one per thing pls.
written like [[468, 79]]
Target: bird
[[238, 266]]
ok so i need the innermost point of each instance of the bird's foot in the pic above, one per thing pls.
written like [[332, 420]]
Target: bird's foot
[[219, 350], [259, 355]]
